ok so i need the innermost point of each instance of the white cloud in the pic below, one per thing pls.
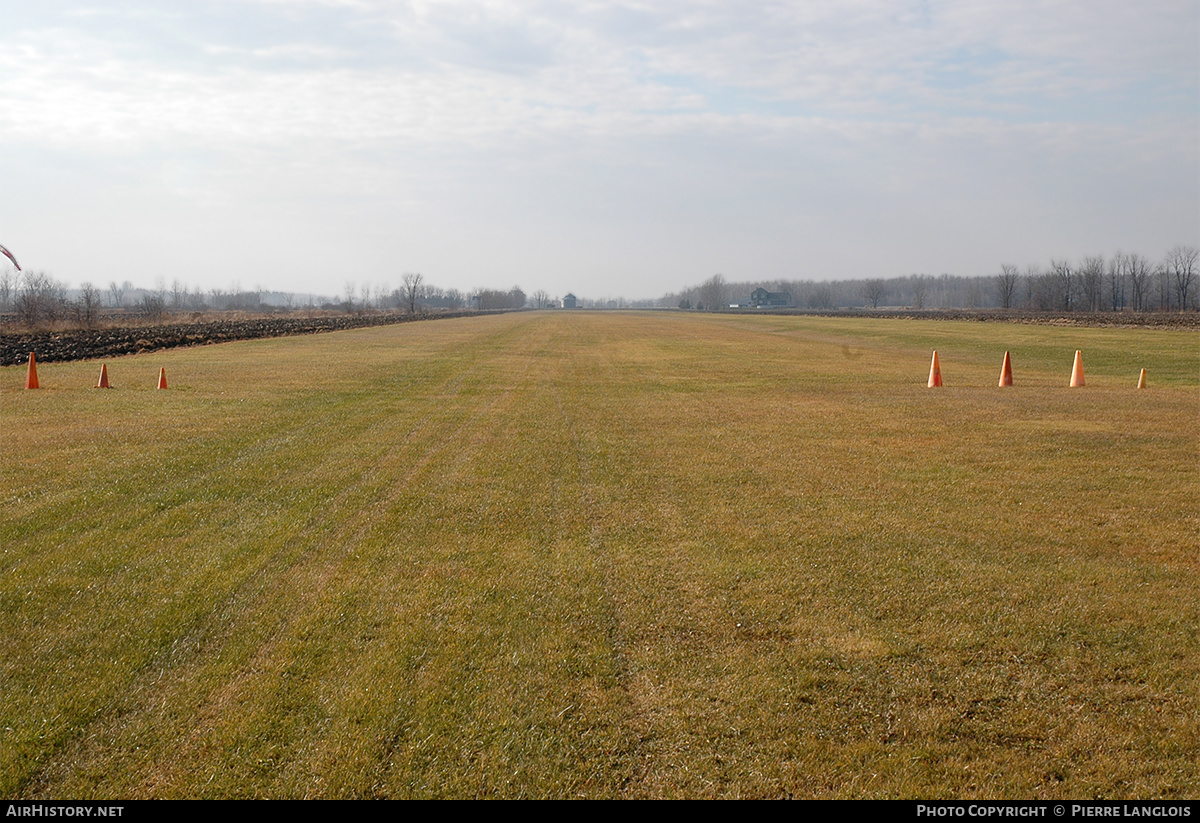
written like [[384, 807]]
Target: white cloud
[[700, 133]]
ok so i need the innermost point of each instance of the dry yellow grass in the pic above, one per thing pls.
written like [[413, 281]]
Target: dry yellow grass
[[614, 555]]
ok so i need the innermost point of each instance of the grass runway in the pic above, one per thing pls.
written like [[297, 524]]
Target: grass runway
[[563, 554]]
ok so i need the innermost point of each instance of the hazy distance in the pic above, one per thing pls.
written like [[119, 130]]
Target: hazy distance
[[624, 149]]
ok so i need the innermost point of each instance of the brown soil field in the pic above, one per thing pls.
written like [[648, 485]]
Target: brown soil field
[[88, 344]]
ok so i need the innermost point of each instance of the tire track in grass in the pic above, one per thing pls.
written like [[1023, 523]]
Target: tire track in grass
[[616, 636], [660, 619]]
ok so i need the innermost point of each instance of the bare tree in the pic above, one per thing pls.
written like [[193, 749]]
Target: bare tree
[[118, 293], [874, 291], [1032, 275], [1066, 282], [1044, 289], [411, 290], [1091, 283], [711, 295], [1116, 281], [540, 298], [1006, 284], [1137, 269], [1181, 261], [89, 305], [1163, 273], [39, 299], [7, 283], [152, 306], [920, 289]]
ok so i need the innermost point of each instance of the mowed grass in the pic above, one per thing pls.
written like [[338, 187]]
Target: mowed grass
[[607, 555]]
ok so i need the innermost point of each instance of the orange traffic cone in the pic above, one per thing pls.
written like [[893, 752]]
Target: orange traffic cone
[[102, 383], [1006, 372], [935, 372], [31, 381], [162, 378], [1077, 371], [1142, 379]]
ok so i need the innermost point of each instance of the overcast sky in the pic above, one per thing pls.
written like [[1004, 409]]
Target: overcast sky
[[603, 148]]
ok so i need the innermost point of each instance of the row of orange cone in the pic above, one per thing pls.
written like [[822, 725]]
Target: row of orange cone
[[1006, 379], [935, 373], [31, 378]]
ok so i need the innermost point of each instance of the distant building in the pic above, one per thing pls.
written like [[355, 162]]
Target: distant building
[[761, 298], [569, 302]]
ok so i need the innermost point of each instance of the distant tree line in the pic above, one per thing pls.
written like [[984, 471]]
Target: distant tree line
[[1122, 282], [34, 299], [491, 299]]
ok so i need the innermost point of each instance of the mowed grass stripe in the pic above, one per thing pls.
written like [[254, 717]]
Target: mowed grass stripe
[[606, 555], [373, 517]]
